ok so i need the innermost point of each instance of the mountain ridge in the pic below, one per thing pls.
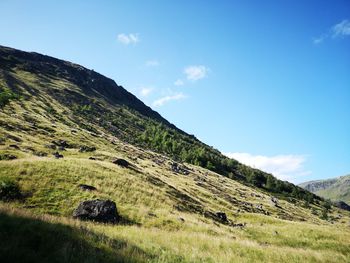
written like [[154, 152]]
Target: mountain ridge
[[336, 189]]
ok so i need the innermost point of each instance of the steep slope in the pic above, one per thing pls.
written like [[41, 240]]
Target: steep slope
[[169, 209], [336, 189], [64, 92]]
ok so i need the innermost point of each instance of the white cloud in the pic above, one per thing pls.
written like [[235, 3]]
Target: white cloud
[[179, 82], [127, 39], [341, 29], [318, 40], [145, 91], [152, 63], [285, 167], [160, 102], [194, 73]]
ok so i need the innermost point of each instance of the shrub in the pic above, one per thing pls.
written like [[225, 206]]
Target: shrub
[[9, 189], [6, 96]]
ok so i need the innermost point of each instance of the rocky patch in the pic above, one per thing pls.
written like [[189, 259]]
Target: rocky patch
[[121, 162], [104, 211], [57, 155], [178, 168], [86, 187]]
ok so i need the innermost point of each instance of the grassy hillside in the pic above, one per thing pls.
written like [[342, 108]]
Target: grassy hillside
[[51, 92], [167, 215], [336, 189]]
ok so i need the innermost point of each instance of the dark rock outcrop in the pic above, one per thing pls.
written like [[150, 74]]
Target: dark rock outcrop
[[104, 211], [181, 169], [121, 162], [87, 187], [7, 157], [57, 155], [222, 217]]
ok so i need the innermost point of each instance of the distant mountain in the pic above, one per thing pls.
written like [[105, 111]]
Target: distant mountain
[[336, 189]]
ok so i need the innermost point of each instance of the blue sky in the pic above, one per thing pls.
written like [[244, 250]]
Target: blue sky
[[266, 82]]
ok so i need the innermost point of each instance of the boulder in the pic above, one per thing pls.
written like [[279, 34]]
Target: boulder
[[104, 211], [181, 169], [57, 155], [86, 187], [121, 162], [274, 200], [222, 217], [14, 146]]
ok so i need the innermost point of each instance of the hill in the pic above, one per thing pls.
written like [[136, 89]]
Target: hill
[[179, 200], [336, 189]]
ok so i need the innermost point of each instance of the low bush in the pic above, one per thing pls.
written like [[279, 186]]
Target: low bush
[[9, 189]]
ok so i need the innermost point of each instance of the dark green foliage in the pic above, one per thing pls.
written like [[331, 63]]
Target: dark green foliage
[[324, 214], [186, 148], [6, 96], [9, 189], [6, 156], [327, 204]]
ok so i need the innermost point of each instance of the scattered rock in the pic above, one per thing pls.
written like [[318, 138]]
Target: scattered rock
[[104, 211], [274, 200], [222, 217], [51, 146], [14, 146], [57, 155], [121, 162], [86, 187], [40, 154], [61, 143], [181, 169], [241, 225], [5, 156], [152, 214], [86, 148], [259, 206]]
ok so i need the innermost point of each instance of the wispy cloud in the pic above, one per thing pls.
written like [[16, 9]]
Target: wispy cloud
[[127, 39], [152, 63], [145, 91], [285, 167], [195, 73], [318, 40], [341, 29], [161, 101], [179, 82]]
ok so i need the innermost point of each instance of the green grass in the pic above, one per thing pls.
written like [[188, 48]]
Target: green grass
[[154, 229]]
